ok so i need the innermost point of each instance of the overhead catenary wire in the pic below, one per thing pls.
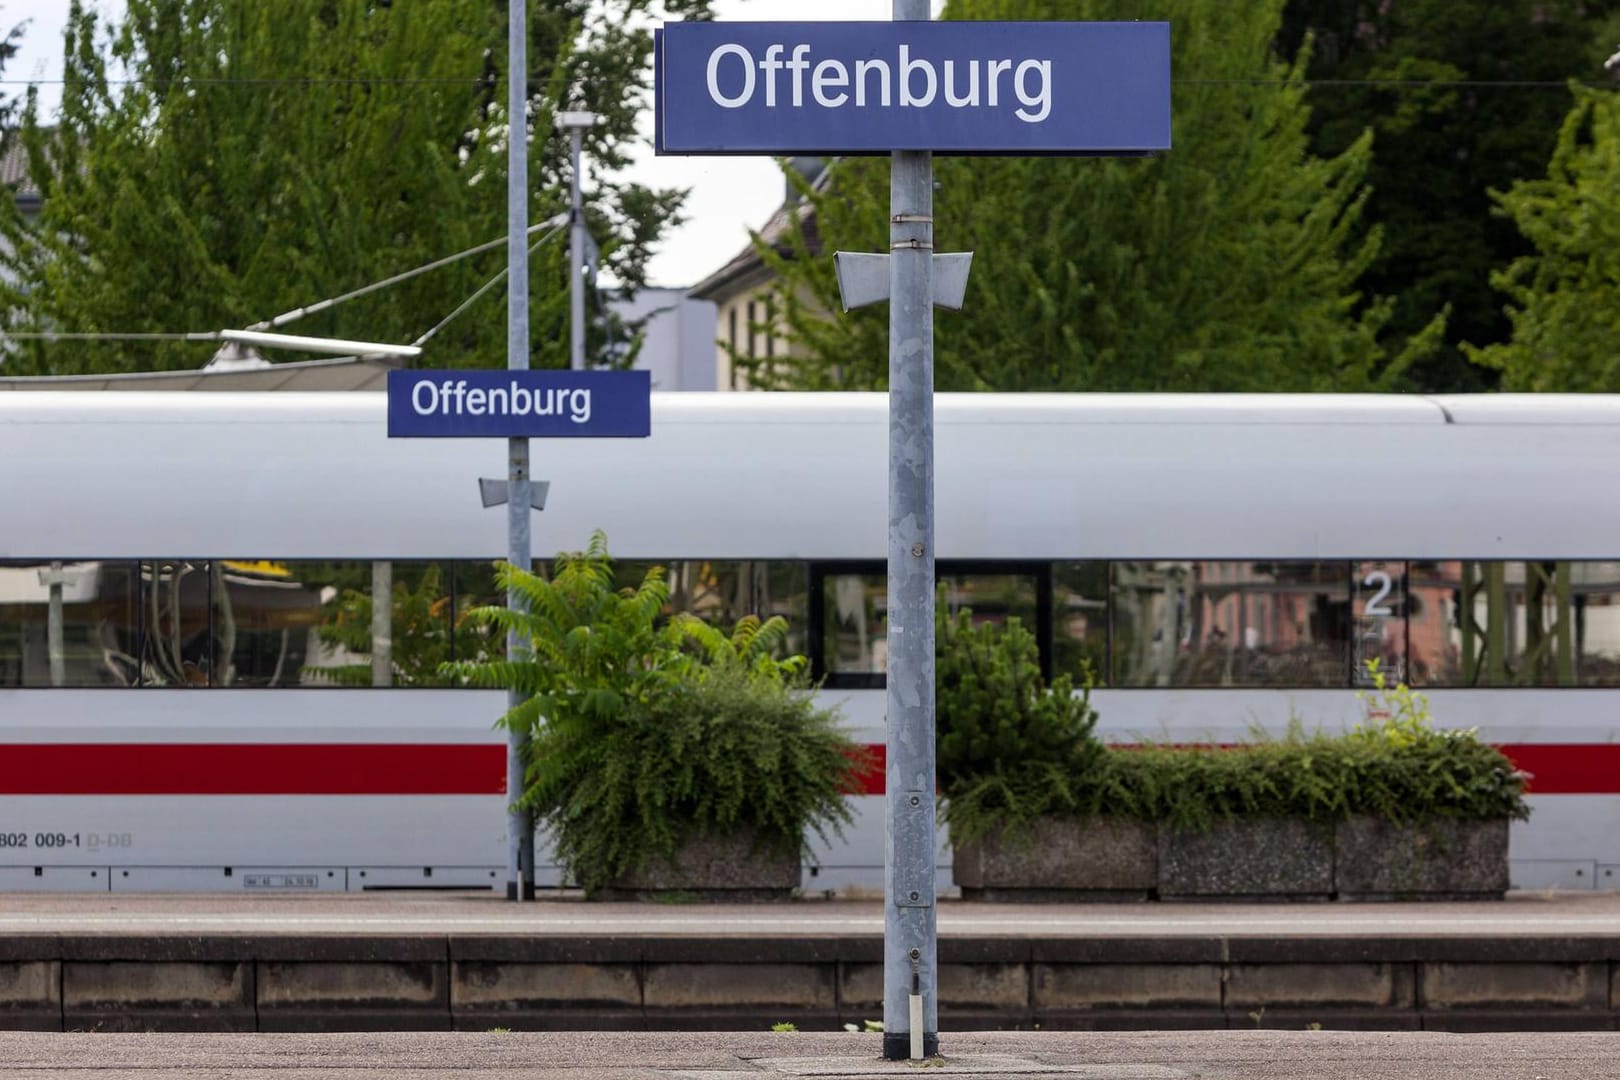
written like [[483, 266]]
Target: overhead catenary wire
[[499, 277], [554, 222], [547, 228]]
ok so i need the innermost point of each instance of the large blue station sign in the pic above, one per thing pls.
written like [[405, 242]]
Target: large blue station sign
[[950, 87], [518, 404]]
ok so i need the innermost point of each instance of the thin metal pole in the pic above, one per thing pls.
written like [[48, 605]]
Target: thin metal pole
[[519, 829], [909, 925], [576, 259]]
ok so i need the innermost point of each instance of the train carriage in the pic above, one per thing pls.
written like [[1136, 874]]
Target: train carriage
[[198, 689]]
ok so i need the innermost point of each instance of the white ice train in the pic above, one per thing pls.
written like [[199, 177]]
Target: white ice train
[[185, 578]]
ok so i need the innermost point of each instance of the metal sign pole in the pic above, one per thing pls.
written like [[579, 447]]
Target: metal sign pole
[[909, 928], [575, 123], [519, 828]]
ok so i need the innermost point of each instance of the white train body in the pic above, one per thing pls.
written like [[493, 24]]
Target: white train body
[[172, 787]]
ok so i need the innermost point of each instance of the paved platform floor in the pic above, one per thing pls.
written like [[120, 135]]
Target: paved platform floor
[[1149, 1055], [1548, 914]]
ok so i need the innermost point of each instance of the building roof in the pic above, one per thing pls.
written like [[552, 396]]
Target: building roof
[[746, 269]]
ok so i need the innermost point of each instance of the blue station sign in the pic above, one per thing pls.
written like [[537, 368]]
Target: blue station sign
[[516, 404], [1011, 88]]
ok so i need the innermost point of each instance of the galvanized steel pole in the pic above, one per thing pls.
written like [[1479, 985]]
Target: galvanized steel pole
[[519, 828], [909, 926], [576, 256]]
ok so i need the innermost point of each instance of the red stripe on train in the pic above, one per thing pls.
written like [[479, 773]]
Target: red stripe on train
[[461, 769], [252, 769], [1567, 768]]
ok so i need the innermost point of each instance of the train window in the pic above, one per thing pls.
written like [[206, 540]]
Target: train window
[[852, 612], [1188, 623], [1080, 620], [308, 623], [1379, 631], [473, 585], [175, 648], [67, 624], [1595, 599], [722, 591], [854, 628], [1519, 623]]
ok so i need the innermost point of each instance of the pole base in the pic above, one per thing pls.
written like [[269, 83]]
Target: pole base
[[897, 1045], [512, 890]]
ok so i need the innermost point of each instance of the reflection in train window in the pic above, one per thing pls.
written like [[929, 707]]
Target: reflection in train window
[[991, 597], [474, 586], [1190, 623], [1379, 608], [722, 591], [310, 623], [67, 624], [1519, 623], [175, 649], [1080, 615], [855, 623]]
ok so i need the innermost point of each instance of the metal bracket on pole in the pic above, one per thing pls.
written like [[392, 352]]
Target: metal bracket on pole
[[494, 492], [864, 278]]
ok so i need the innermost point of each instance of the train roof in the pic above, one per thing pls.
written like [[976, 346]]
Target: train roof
[[688, 406]]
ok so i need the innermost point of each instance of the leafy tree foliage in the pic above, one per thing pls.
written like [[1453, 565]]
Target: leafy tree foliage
[[1467, 98], [1565, 307], [218, 162], [1229, 263]]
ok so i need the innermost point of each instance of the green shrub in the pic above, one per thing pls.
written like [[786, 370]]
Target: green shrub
[[1009, 748], [1012, 750], [646, 732], [1396, 766], [1402, 768]]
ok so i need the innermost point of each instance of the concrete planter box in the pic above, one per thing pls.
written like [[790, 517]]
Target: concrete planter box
[[1375, 859], [1060, 859], [717, 869], [1258, 859]]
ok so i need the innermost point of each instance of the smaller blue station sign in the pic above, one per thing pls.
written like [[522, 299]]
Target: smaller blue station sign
[[950, 87], [520, 404]]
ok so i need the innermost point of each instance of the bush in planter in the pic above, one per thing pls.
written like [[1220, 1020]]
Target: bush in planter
[[1010, 749], [1393, 808], [1016, 761], [1403, 768], [649, 735]]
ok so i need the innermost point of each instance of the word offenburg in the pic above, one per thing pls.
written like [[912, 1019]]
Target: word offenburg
[[517, 404], [951, 87]]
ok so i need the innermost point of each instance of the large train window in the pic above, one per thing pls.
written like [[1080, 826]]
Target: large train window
[[1230, 623], [320, 623], [67, 624]]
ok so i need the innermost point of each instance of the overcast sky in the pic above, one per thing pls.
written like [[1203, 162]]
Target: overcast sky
[[729, 196]]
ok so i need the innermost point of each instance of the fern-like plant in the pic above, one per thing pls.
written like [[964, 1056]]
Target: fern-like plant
[[646, 732], [1010, 748]]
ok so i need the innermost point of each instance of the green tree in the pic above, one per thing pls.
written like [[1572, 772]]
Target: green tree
[[1463, 97], [1228, 263], [218, 162], [1565, 309]]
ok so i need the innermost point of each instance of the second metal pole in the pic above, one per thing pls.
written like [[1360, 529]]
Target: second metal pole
[[576, 259], [909, 925], [519, 827]]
